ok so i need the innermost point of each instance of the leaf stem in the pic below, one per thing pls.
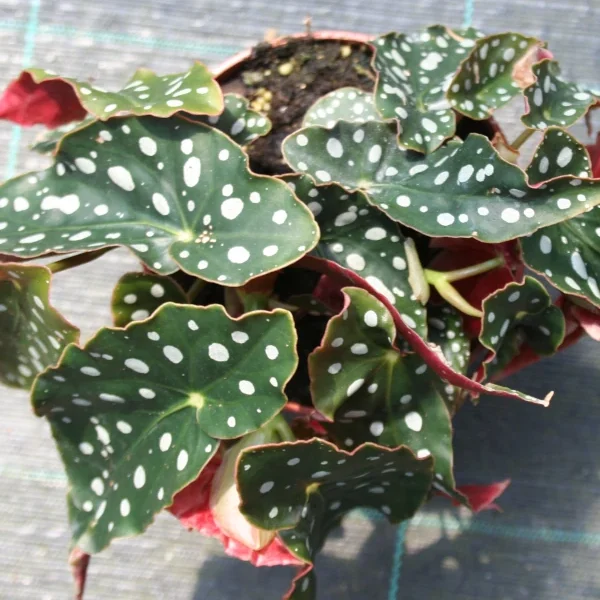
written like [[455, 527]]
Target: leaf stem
[[416, 274], [77, 259], [471, 270], [441, 281], [522, 138], [279, 426], [195, 289]]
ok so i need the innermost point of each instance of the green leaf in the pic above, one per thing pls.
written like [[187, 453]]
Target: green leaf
[[276, 482], [33, 334], [138, 412], [446, 331], [553, 101], [345, 104], [47, 142], [557, 155], [304, 586], [517, 314], [568, 255], [137, 295], [174, 192], [237, 121], [491, 75], [360, 238], [461, 190], [146, 93], [374, 393], [414, 72]]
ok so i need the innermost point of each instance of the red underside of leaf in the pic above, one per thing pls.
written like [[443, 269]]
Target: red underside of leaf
[[433, 359], [482, 497], [50, 103], [589, 321], [594, 152], [191, 507], [79, 562]]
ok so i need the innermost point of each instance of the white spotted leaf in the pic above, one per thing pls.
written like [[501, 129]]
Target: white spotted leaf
[[414, 72], [137, 295], [461, 190], [345, 104], [358, 237], [32, 332], [237, 121], [304, 586], [194, 91], [558, 154], [446, 331], [392, 481], [553, 101], [568, 255], [138, 412], [495, 72], [518, 314], [172, 191], [361, 379]]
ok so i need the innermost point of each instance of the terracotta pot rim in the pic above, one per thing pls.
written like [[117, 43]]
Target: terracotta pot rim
[[227, 67]]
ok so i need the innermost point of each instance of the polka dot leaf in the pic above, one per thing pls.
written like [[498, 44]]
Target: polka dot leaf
[[345, 104], [520, 313], [276, 483], [414, 72], [137, 295], [493, 74], [568, 255], [173, 192], [359, 237], [32, 333], [461, 190], [304, 586], [557, 155], [446, 331], [237, 121], [553, 101], [194, 91], [374, 392], [47, 142], [138, 412]]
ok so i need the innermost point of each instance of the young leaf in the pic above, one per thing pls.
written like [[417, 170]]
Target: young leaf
[[568, 255], [360, 378], [557, 155], [237, 121], [414, 72], [491, 75], [137, 295], [47, 142], [521, 313], [173, 192], [359, 237], [461, 190], [32, 332], [276, 482], [345, 104], [194, 91], [553, 101], [430, 354], [138, 412]]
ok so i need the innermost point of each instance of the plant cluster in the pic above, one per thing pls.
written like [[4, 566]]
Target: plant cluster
[[294, 347]]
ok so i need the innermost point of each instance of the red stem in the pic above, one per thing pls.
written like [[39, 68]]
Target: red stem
[[307, 411]]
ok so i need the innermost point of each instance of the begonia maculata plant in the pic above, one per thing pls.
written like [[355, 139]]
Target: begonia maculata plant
[[338, 247]]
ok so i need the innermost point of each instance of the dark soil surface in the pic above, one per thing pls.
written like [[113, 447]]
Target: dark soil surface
[[284, 81]]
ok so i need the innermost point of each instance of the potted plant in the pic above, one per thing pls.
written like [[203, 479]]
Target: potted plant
[[333, 237]]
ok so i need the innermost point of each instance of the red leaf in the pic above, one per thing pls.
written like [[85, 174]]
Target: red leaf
[[79, 562], [481, 497], [588, 320], [191, 507], [51, 103]]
